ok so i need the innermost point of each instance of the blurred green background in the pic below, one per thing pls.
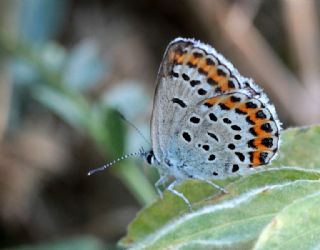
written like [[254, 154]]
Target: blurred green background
[[68, 69]]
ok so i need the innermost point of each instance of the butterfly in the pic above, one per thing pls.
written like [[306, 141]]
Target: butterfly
[[208, 121]]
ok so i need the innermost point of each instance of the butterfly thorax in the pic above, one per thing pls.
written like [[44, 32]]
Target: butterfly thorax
[[171, 166]]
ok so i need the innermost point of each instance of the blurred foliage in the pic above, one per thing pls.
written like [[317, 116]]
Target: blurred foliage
[[62, 79], [58, 78]]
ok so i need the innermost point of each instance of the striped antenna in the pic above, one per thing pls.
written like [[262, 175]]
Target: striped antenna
[[140, 153]]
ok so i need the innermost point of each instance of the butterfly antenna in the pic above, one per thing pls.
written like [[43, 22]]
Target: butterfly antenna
[[135, 128], [96, 170]]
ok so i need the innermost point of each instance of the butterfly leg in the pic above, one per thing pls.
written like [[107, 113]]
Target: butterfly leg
[[159, 183], [213, 185], [175, 192]]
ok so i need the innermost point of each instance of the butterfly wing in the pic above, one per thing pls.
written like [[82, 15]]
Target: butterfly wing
[[229, 133], [191, 75]]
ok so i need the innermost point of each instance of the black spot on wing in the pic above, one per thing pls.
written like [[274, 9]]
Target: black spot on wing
[[194, 120], [202, 92], [235, 99], [253, 132], [211, 81], [186, 136], [251, 144], [212, 135], [240, 156], [248, 119], [197, 55], [240, 112], [212, 117], [263, 157], [211, 157], [235, 168], [194, 83], [237, 137], [235, 127], [221, 72], [210, 62], [268, 142], [231, 84], [185, 77], [202, 72], [191, 65], [206, 147], [223, 106], [266, 127], [179, 102], [227, 120], [251, 105], [261, 115], [175, 74]]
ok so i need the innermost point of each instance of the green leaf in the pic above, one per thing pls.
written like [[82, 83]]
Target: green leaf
[[296, 227], [236, 219], [299, 147]]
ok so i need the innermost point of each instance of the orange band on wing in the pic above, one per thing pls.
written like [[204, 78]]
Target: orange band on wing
[[206, 67]]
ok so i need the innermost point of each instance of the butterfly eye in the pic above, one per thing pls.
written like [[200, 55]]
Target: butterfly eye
[[150, 158]]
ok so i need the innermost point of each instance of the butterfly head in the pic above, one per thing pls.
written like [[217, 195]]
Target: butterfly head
[[148, 156]]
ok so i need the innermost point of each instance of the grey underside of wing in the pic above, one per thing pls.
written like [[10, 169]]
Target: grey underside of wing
[[209, 151], [169, 119]]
